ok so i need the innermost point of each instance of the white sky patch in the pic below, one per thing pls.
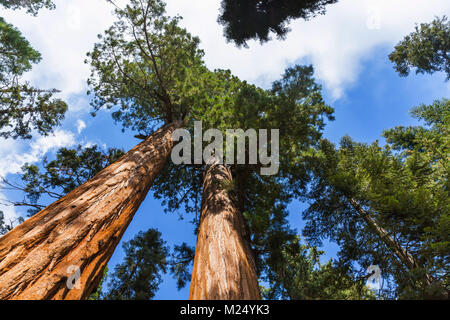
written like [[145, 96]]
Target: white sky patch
[[89, 144], [335, 43], [80, 125], [9, 211], [14, 157]]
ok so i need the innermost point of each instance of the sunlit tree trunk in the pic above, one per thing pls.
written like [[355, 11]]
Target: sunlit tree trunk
[[40, 257], [224, 267]]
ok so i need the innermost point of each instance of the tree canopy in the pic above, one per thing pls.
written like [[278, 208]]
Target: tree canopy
[[32, 6], [148, 67], [245, 20], [426, 50], [404, 187], [299, 275], [293, 104], [23, 108], [139, 275]]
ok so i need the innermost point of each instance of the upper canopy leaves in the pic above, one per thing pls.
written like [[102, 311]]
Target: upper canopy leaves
[[23, 108], [405, 188], [427, 49], [32, 6], [148, 66], [245, 20]]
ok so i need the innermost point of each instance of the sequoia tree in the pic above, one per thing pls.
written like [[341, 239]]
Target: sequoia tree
[[74, 237], [224, 268], [295, 106], [146, 255], [151, 68]]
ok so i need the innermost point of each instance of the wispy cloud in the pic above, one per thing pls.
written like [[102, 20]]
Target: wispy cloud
[[80, 125], [14, 156]]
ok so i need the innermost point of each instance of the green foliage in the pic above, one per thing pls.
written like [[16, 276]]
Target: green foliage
[[295, 106], [181, 260], [98, 292], [3, 227], [23, 108], [245, 20], [17, 55], [147, 66], [404, 186], [139, 275], [427, 49], [32, 6], [8, 226], [70, 169], [299, 275]]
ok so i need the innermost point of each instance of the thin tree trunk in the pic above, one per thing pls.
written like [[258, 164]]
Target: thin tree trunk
[[405, 257], [82, 229], [224, 268]]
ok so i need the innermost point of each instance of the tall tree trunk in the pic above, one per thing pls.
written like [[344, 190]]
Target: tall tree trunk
[[81, 230], [224, 268], [405, 257]]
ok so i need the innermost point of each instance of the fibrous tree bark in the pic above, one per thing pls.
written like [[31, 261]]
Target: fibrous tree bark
[[79, 232], [224, 267]]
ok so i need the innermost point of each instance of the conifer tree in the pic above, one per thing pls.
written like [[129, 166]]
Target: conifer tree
[[389, 205], [24, 108], [427, 49]]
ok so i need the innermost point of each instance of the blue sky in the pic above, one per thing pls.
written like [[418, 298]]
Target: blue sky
[[348, 47]]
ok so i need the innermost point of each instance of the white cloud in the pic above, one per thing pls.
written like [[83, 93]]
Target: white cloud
[[14, 156], [63, 36], [9, 211], [335, 43], [80, 125]]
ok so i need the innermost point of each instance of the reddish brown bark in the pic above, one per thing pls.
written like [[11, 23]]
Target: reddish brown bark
[[224, 268], [81, 229]]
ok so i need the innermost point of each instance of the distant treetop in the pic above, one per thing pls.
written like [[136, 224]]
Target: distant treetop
[[245, 20], [427, 49]]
